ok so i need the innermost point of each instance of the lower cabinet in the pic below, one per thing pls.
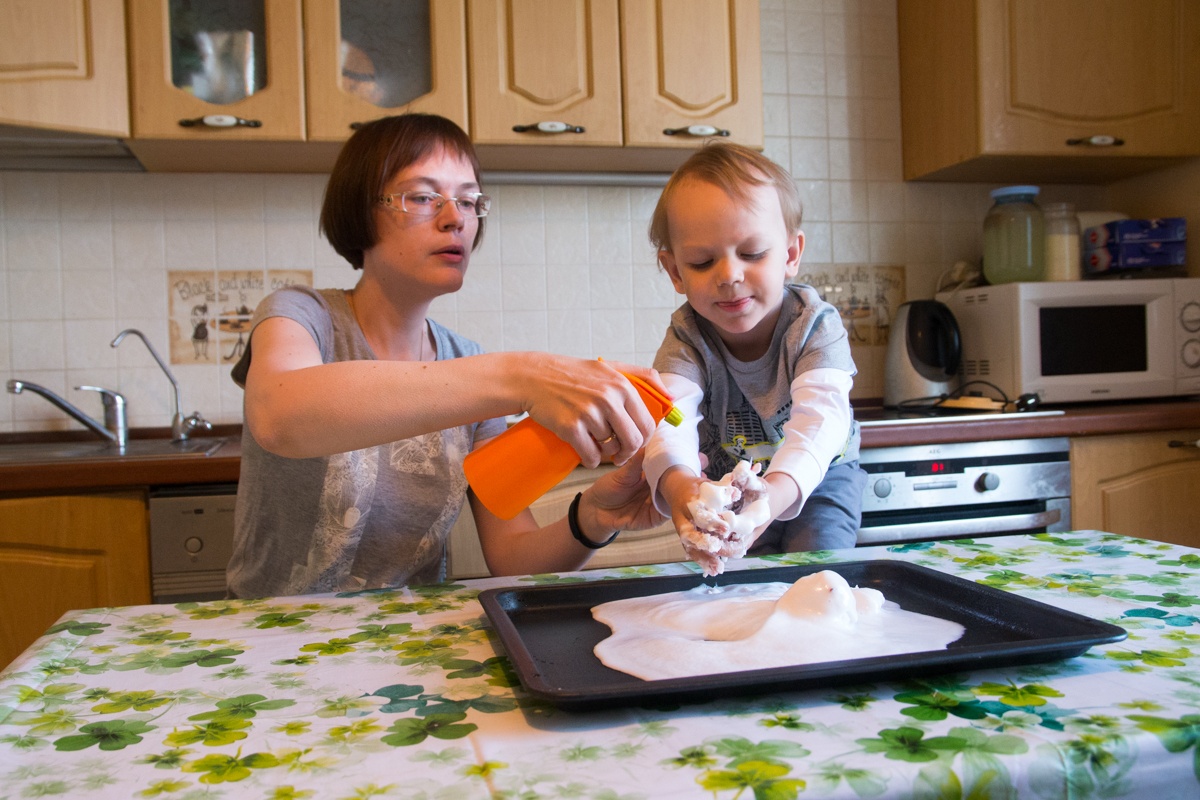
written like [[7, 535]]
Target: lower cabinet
[[65, 552], [655, 546], [1138, 484]]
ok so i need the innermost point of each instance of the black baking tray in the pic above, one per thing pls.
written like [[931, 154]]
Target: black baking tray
[[548, 633]]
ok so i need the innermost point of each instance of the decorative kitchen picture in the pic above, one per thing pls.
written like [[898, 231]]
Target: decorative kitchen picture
[[209, 312], [866, 297]]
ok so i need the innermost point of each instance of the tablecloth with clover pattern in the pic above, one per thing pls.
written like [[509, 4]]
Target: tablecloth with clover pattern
[[406, 693]]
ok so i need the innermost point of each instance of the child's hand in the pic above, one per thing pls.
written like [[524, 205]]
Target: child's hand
[[719, 520]]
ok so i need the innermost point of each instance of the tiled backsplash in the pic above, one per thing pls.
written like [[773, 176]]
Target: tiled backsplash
[[562, 268]]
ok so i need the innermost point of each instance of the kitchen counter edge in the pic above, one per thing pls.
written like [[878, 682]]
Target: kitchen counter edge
[[225, 465]]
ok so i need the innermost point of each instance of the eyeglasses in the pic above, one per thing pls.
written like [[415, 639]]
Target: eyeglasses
[[429, 204]]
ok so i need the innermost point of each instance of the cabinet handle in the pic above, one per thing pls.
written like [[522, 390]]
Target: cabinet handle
[[549, 127], [1097, 141], [220, 121], [696, 130], [1177, 443]]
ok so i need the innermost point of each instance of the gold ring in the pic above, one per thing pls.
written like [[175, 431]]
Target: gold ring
[[609, 439]]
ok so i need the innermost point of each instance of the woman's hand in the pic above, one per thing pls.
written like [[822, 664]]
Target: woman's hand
[[590, 405], [618, 501]]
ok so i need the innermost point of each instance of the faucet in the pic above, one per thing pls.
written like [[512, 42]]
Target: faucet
[[181, 426], [116, 425]]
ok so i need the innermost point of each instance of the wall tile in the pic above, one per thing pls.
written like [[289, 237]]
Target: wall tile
[[567, 243], [808, 117], [85, 198], [190, 244], [571, 333], [87, 345], [35, 294], [568, 203], [139, 245], [523, 241], [523, 288], [568, 286], [612, 287], [289, 245], [526, 330], [32, 245], [37, 345], [89, 245], [31, 196], [88, 294]]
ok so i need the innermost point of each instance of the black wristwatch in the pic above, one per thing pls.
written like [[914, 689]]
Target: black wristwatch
[[573, 523]]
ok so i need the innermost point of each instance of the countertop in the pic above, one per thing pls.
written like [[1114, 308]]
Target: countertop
[[1091, 419], [408, 692]]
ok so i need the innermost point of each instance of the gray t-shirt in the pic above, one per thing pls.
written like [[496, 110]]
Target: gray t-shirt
[[746, 404], [358, 520]]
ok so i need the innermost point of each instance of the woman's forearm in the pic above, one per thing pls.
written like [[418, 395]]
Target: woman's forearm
[[338, 407]]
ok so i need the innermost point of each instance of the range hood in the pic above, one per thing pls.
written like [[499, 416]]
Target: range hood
[[30, 149]]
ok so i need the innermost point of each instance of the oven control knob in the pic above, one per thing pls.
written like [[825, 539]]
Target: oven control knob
[[883, 487], [194, 544], [987, 482]]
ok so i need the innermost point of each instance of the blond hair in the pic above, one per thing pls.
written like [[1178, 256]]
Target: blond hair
[[732, 168]]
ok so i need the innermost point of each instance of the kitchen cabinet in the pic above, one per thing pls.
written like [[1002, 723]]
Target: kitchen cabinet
[[691, 62], [1016, 90], [658, 545], [1137, 484], [611, 85], [62, 552], [62, 66], [365, 59], [533, 62], [285, 95], [206, 77], [244, 66]]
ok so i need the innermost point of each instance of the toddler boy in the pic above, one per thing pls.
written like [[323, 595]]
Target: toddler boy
[[760, 367]]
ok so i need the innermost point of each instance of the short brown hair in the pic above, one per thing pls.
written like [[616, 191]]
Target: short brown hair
[[732, 168], [370, 159]]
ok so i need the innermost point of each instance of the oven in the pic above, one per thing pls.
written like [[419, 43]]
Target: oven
[[965, 489]]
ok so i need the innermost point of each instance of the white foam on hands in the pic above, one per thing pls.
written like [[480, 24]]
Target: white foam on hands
[[725, 514]]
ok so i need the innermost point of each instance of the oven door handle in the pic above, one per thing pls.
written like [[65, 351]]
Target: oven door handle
[[950, 528]]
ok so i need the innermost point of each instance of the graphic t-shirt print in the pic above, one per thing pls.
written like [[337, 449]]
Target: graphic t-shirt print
[[421, 455], [350, 480]]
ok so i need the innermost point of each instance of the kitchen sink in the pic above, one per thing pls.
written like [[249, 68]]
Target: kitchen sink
[[50, 452]]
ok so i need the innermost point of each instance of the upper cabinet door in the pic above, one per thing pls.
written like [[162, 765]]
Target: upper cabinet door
[[366, 59], [1055, 72], [1031, 91], [62, 66], [204, 69], [535, 62], [691, 63]]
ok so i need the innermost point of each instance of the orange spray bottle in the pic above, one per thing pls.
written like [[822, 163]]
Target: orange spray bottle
[[520, 465]]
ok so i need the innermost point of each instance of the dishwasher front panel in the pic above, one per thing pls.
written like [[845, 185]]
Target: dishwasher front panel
[[191, 542]]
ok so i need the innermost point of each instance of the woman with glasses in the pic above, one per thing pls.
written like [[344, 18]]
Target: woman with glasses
[[359, 409]]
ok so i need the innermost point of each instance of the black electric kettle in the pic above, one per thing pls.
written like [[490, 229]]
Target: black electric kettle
[[923, 354]]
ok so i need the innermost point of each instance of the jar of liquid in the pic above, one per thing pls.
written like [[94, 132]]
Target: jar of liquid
[[1062, 243], [1014, 246]]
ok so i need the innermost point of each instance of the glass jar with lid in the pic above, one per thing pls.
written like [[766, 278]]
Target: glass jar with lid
[[1062, 242], [1014, 236]]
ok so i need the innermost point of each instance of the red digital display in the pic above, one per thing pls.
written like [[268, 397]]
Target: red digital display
[[933, 468]]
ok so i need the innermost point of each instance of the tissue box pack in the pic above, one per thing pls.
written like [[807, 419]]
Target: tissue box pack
[[1169, 229], [1134, 255]]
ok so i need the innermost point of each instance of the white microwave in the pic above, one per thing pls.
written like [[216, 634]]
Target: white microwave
[[1074, 341]]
